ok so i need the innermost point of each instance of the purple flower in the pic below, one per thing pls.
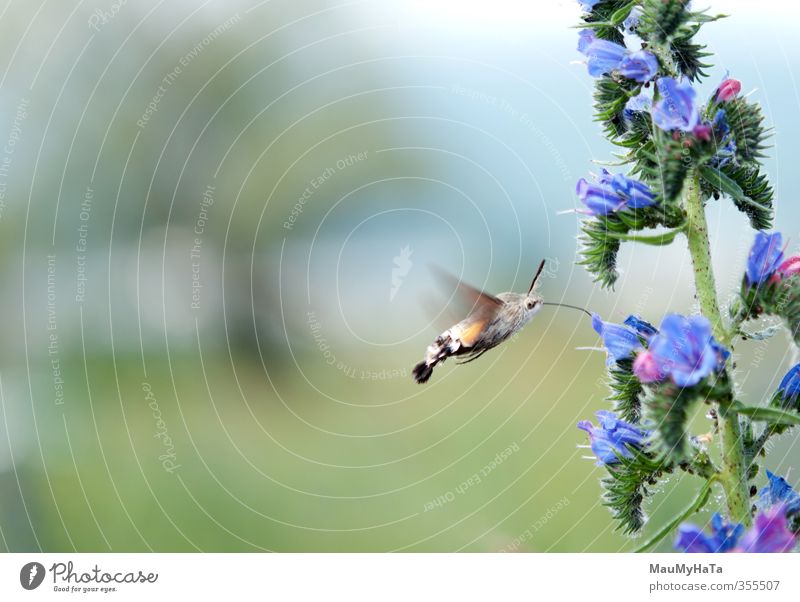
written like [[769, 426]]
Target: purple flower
[[603, 56], [769, 533], [723, 537], [676, 109], [641, 66], [600, 198], [610, 438], [620, 341], [683, 350], [613, 192], [765, 257], [779, 493]]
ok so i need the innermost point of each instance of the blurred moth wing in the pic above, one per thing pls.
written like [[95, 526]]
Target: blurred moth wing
[[480, 308]]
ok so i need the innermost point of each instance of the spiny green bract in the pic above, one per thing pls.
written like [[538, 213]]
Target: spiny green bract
[[747, 124], [626, 391], [599, 246], [626, 488], [607, 16]]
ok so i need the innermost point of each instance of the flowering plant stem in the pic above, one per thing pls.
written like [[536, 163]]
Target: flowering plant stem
[[696, 505], [732, 476]]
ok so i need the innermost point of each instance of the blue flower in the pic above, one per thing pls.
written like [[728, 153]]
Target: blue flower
[[585, 37], [725, 142], [587, 5], [600, 198], [779, 492], [631, 22], [613, 192], [620, 341], [683, 350], [723, 537], [637, 104], [635, 193], [640, 66], [643, 327], [610, 438], [676, 109], [769, 533], [765, 257], [789, 388], [603, 56]]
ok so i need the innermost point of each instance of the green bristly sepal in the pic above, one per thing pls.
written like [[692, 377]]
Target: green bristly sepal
[[747, 126], [626, 391], [606, 17], [601, 236], [781, 298], [626, 488]]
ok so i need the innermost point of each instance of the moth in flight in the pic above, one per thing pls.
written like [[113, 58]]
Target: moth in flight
[[493, 319]]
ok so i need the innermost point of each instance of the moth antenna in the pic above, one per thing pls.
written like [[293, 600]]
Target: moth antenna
[[536, 277]]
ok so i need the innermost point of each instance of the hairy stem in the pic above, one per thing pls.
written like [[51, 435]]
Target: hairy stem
[[695, 506], [732, 476]]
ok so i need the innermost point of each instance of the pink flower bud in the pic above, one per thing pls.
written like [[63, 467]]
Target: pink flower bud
[[702, 132], [790, 266], [646, 368], [728, 90]]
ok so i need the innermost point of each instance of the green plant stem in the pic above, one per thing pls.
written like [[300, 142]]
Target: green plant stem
[[733, 467], [697, 504]]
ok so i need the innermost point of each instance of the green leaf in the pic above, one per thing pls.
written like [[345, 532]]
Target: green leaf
[[600, 237], [722, 182], [771, 415], [657, 240], [619, 16], [603, 19], [756, 187], [695, 506]]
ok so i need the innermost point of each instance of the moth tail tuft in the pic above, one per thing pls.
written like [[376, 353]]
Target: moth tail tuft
[[422, 372]]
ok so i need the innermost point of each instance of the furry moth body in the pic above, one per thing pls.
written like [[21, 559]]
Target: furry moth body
[[492, 321]]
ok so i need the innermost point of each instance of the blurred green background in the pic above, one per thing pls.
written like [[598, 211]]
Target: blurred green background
[[215, 222]]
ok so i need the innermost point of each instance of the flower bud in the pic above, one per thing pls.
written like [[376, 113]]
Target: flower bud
[[728, 90]]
